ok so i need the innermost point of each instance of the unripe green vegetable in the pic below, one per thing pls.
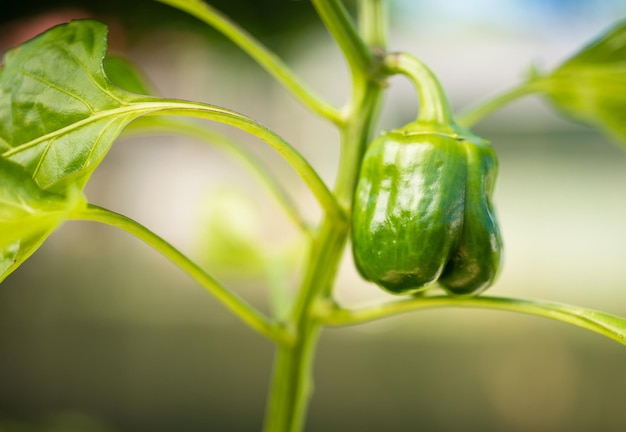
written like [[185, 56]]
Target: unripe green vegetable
[[422, 211]]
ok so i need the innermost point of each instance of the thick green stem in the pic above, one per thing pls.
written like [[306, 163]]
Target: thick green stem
[[373, 23], [356, 135], [292, 386]]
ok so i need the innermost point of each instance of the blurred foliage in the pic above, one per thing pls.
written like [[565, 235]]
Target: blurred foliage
[[229, 235], [61, 421]]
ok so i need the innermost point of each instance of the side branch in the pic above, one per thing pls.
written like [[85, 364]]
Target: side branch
[[262, 55], [605, 324], [237, 305]]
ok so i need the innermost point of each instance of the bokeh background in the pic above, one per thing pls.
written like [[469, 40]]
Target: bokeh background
[[99, 333]]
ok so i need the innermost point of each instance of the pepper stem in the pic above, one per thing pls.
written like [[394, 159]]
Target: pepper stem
[[434, 107]]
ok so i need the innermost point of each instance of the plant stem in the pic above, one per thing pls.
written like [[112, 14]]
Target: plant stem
[[433, 103], [263, 56], [474, 115], [608, 325], [291, 389], [373, 23], [233, 302], [292, 380], [341, 27]]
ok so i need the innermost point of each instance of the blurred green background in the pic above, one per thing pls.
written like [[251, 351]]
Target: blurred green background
[[99, 333]]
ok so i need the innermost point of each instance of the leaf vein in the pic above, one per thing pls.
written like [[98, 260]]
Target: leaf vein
[[44, 153], [97, 142], [81, 123], [90, 75], [58, 88]]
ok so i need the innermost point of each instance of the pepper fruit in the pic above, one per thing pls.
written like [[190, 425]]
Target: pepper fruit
[[423, 212]]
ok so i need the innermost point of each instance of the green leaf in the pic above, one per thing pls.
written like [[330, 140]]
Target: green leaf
[[59, 114], [591, 86], [28, 215]]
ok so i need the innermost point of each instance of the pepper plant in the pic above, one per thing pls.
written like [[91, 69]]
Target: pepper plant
[[421, 220]]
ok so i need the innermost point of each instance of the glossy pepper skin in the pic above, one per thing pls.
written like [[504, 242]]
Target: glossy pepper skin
[[422, 212], [474, 263]]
